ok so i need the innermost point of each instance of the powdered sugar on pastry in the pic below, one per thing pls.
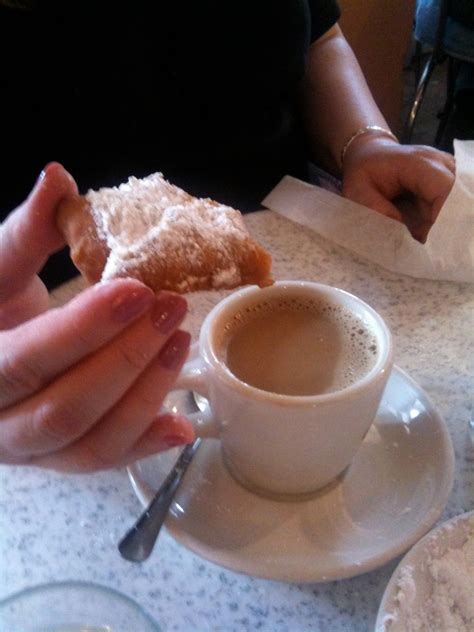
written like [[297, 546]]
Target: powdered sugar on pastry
[[154, 231]]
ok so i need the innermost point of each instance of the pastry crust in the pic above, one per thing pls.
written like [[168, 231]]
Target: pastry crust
[[150, 230]]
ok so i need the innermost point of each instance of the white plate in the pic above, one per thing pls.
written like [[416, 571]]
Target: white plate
[[393, 492], [412, 579]]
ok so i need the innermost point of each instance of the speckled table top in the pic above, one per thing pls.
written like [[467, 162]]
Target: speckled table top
[[55, 527]]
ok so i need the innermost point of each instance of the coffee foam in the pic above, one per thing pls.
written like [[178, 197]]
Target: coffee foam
[[360, 348]]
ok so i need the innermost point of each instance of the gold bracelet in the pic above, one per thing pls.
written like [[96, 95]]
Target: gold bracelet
[[366, 130]]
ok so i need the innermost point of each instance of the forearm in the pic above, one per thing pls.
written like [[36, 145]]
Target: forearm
[[336, 100]]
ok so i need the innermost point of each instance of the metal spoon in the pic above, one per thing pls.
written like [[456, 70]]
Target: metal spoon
[[138, 543]]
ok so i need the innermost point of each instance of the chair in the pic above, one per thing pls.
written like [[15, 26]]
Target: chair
[[447, 28]]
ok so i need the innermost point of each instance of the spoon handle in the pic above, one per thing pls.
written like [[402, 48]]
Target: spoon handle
[[138, 543]]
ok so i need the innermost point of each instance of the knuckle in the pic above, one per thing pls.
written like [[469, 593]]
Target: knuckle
[[134, 358], [55, 423], [80, 336], [150, 401], [18, 377], [425, 153], [77, 338]]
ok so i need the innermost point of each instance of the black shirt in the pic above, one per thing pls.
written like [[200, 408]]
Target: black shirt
[[204, 91]]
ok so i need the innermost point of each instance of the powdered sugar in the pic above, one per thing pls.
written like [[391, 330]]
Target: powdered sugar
[[228, 277], [437, 595], [151, 218]]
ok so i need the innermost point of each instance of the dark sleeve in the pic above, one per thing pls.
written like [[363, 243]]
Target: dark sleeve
[[324, 14]]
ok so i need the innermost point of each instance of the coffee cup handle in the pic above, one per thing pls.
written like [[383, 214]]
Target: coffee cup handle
[[193, 377]]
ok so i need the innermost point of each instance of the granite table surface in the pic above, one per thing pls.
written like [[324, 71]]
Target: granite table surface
[[57, 527]]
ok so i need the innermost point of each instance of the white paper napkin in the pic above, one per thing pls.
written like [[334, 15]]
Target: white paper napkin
[[448, 253]]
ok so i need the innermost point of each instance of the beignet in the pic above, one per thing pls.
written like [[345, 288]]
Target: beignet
[[153, 231]]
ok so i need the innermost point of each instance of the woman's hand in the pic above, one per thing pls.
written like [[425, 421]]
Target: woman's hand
[[80, 386], [409, 183], [377, 171]]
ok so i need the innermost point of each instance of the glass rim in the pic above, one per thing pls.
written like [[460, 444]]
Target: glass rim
[[79, 585]]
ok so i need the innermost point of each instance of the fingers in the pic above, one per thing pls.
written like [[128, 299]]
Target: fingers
[[415, 212], [74, 402], [429, 175], [29, 235], [447, 159], [130, 430], [165, 432], [420, 231], [429, 178], [39, 350], [361, 192], [377, 174]]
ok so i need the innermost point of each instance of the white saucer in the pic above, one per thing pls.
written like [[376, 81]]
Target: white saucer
[[393, 492], [412, 581]]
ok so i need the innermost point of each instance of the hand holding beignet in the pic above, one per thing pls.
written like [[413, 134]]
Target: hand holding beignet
[[151, 230], [81, 385]]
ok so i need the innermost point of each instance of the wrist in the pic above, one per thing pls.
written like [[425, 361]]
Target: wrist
[[363, 136]]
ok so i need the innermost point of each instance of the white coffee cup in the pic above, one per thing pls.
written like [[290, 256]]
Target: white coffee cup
[[275, 443]]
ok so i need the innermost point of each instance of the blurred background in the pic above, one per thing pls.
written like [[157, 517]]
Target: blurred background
[[394, 41]]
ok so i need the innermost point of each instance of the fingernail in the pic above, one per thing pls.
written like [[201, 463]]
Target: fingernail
[[175, 350], [129, 306], [38, 183], [168, 312], [173, 440]]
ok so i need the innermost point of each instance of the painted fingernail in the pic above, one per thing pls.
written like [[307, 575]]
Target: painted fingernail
[[173, 440], [39, 182], [175, 350], [129, 306], [168, 311]]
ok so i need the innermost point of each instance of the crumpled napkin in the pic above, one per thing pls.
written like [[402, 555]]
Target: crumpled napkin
[[448, 253]]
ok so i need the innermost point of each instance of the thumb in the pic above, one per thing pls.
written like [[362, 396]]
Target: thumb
[[29, 234]]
